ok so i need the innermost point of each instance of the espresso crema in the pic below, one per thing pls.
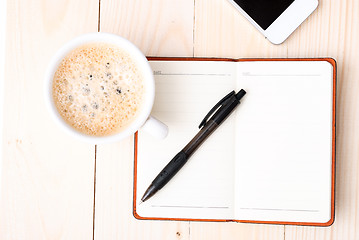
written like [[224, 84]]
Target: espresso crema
[[98, 89]]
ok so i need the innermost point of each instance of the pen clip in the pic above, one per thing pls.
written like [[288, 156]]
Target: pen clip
[[211, 112]]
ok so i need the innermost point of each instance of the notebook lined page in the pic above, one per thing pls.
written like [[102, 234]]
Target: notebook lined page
[[204, 187], [284, 141]]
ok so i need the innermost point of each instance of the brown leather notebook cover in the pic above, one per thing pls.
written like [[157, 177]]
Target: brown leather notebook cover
[[330, 222]]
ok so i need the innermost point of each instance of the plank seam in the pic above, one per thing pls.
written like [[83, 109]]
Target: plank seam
[[99, 16], [194, 26], [94, 197]]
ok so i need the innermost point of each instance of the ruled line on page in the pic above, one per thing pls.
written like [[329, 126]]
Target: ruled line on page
[[168, 206], [248, 74], [157, 73], [279, 209]]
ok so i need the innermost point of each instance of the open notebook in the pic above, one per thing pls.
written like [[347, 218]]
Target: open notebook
[[271, 161]]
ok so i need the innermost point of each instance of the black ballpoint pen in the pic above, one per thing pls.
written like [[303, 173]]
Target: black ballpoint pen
[[219, 113]]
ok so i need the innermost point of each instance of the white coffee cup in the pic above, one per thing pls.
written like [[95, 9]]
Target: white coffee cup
[[142, 120]]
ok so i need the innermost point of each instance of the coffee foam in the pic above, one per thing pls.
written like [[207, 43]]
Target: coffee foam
[[98, 89]]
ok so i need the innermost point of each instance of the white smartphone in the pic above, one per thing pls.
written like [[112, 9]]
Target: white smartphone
[[276, 19]]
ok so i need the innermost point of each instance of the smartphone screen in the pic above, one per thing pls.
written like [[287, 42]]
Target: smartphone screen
[[264, 12]]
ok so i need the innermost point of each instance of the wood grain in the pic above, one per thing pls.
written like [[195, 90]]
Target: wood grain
[[114, 191], [220, 31], [47, 185], [333, 30], [47, 177], [158, 28]]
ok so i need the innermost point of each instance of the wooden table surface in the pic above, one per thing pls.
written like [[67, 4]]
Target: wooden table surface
[[56, 187]]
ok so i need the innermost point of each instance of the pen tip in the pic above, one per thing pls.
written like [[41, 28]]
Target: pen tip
[[140, 202]]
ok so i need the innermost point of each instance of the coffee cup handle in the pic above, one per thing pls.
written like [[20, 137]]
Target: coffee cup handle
[[155, 127]]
